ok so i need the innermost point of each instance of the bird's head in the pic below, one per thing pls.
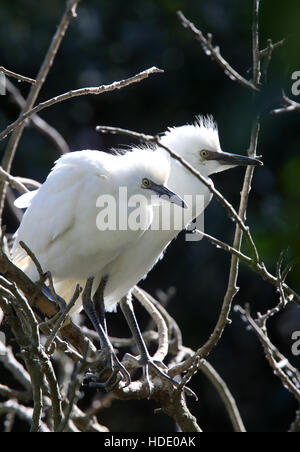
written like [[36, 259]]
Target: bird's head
[[199, 145], [146, 172]]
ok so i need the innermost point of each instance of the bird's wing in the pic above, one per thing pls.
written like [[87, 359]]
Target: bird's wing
[[49, 215], [24, 201], [60, 227]]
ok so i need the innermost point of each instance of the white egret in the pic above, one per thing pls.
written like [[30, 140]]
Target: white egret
[[199, 145], [60, 225]]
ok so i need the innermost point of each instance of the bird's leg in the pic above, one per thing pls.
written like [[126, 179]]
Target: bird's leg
[[145, 359], [113, 362], [98, 300]]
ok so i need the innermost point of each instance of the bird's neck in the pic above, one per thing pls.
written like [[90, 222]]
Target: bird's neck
[[185, 184]]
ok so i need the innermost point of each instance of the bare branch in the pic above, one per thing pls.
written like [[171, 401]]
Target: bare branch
[[17, 370], [225, 395], [70, 11], [163, 343], [10, 393], [72, 393], [37, 299], [21, 78], [276, 360], [226, 247], [255, 44], [204, 366], [13, 181], [290, 106], [30, 182], [11, 406], [79, 92], [264, 52], [38, 122], [63, 317], [214, 52]]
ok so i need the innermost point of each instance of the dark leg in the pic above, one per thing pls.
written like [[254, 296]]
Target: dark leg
[[112, 361], [145, 360], [98, 300]]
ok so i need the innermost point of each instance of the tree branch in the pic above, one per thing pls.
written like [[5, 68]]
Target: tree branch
[[13, 181], [21, 78], [78, 92], [214, 52], [290, 106], [70, 11], [276, 360], [38, 122]]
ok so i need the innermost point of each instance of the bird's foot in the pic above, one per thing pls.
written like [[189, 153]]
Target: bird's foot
[[147, 363], [108, 372]]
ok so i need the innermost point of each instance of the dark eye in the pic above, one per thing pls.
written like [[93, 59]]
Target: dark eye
[[203, 153], [146, 183]]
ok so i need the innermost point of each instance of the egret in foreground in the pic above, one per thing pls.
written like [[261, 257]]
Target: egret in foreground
[[60, 225], [199, 145]]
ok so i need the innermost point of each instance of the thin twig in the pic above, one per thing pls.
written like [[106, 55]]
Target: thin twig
[[290, 106], [22, 302], [25, 413], [38, 122], [276, 360], [38, 300], [96, 90], [225, 395], [63, 317], [34, 259], [31, 182], [255, 44], [214, 53], [69, 13], [175, 336], [72, 393], [19, 77], [163, 343], [9, 361], [13, 181], [276, 45], [219, 244], [267, 59]]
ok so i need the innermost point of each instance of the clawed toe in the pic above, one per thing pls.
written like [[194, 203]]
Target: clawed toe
[[148, 363], [109, 363]]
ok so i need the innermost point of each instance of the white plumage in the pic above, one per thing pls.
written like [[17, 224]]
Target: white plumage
[[59, 225], [73, 259]]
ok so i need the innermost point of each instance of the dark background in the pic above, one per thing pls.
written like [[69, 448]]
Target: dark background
[[111, 40]]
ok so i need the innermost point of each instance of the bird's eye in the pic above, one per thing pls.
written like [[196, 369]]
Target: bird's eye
[[146, 183], [203, 153]]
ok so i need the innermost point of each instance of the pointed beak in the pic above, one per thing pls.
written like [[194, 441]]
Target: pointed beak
[[224, 158], [164, 192]]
